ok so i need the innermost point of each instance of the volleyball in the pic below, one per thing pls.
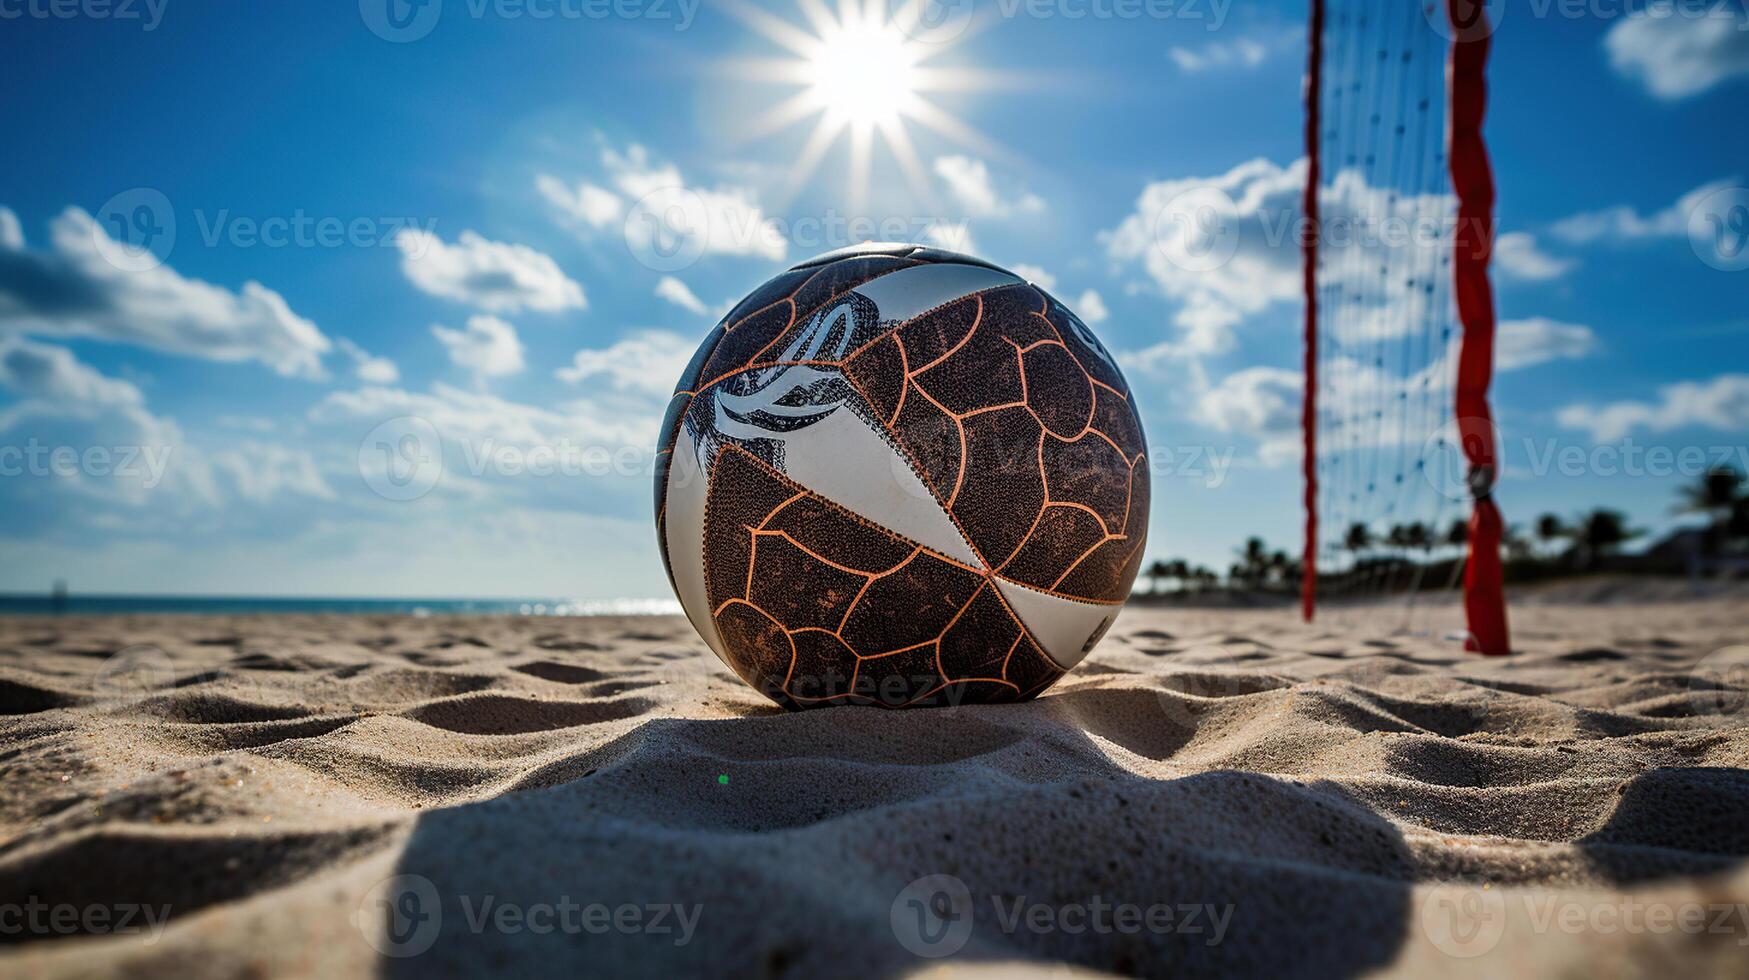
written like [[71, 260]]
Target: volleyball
[[900, 476]]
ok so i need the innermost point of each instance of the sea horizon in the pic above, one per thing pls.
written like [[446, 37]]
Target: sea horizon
[[117, 603]]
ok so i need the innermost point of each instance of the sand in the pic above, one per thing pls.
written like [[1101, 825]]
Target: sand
[[1213, 793]]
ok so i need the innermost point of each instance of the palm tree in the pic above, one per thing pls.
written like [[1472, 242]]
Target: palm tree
[[1550, 528], [1601, 532], [1458, 535], [1155, 572], [1358, 539], [1178, 570], [1715, 494]]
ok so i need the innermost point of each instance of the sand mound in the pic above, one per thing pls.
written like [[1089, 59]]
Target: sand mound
[[1213, 793]]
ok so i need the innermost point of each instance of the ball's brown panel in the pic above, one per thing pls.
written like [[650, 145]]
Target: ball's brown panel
[[1094, 358], [1061, 530], [1003, 486], [797, 588], [910, 605], [1029, 669], [1091, 473], [1094, 572], [825, 668], [934, 441], [879, 371], [840, 537], [898, 678], [930, 336], [1057, 390], [763, 653], [979, 643], [818, 606], [731, 515]]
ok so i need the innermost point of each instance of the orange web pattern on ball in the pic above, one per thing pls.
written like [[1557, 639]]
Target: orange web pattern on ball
[[1010, 414], [821, 605]]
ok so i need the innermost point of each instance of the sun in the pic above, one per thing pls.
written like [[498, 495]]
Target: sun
[[863, 72]]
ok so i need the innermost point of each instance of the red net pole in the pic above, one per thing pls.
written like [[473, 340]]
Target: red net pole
[[1309, 275], [1473, 181]]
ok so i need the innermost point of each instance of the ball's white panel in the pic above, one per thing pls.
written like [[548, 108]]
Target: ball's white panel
[[842, 459], [1064, 628], [685, 533], [908, 292]]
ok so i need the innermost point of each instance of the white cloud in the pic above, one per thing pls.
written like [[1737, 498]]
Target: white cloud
[[488, 347], [368, 367], [1679, 52], [953, 236], [647, 362], [467, 417], [1091, 308], [1622, 223], [71, 289], [1242, 53], [495, 276], [1538, 340], [1036, 275], [1518, 256], [1721, 403], [66, 402], [1260, 402], [262, 472], [968, 181], [595, 207], [662, 212], [678, 293]]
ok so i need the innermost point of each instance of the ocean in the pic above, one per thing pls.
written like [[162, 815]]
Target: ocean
[[38, 604]]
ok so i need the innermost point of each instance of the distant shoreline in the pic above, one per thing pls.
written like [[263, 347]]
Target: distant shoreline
[[15, 603]]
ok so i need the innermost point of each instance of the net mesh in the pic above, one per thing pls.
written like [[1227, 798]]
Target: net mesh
[[1390, 474]]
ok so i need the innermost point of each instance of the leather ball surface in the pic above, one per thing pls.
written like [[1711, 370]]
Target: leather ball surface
[[900, 476]]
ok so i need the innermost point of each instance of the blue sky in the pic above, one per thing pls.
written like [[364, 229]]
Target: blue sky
[[433, 224]]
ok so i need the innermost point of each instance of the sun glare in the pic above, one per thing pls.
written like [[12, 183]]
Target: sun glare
[[862, 74], [862, 70]]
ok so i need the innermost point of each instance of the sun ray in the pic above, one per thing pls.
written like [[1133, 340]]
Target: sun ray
[[781, 116], [861, 155], [825, 132]]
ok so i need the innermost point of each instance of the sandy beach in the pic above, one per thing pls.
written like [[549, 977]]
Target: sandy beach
[[1212, 793]]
